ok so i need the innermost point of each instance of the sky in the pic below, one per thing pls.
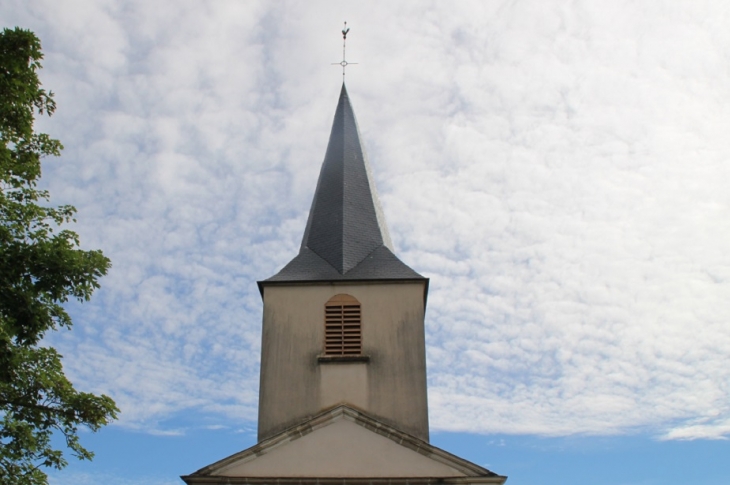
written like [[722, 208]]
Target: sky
[[557, 169]]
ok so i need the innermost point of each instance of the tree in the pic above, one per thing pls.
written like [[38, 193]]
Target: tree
[[41, 267]]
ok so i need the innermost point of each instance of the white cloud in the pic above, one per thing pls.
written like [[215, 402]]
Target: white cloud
[[558, 170]]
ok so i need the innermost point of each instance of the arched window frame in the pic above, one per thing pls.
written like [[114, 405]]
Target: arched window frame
[[342, 326]]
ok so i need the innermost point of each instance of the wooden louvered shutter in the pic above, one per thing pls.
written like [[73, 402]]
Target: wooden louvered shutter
[[342, 335]]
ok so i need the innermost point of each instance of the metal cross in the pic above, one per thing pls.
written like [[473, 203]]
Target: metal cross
[[344, 63]]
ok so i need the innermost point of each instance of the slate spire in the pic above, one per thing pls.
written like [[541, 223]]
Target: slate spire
[[346, 222], [346, 236]]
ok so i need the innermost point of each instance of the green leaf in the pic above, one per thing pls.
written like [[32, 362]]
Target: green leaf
[[41, 267]]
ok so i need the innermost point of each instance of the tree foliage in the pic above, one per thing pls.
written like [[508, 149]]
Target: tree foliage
[[41, 267]]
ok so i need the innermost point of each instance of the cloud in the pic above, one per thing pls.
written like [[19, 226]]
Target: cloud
[[707, 429], [558, 171]]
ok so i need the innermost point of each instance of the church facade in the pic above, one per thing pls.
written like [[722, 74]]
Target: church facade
[[343, 363]]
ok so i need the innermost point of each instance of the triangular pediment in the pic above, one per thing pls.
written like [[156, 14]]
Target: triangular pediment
[[345, 444]]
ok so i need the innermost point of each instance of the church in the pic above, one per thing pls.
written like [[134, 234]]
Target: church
[[342, 395]]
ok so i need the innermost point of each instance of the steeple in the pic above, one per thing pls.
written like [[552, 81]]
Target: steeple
[[344, 320], [346, 237], [343, 350]]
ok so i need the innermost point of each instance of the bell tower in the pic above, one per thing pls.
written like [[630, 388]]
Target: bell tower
[[342, 397], [343, 322]]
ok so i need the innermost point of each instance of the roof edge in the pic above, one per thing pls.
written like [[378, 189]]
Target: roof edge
[[202, 480], [427, 281]]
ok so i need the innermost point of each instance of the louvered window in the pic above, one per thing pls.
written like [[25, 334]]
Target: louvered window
[[342, 335]]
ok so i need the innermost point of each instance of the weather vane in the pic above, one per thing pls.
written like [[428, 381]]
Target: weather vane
[[344, 63]]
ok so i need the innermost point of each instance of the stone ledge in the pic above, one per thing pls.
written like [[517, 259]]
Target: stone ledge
[[342, 359]]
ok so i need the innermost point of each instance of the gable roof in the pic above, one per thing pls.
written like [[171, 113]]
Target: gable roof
[[346, 237], [343, 445]]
